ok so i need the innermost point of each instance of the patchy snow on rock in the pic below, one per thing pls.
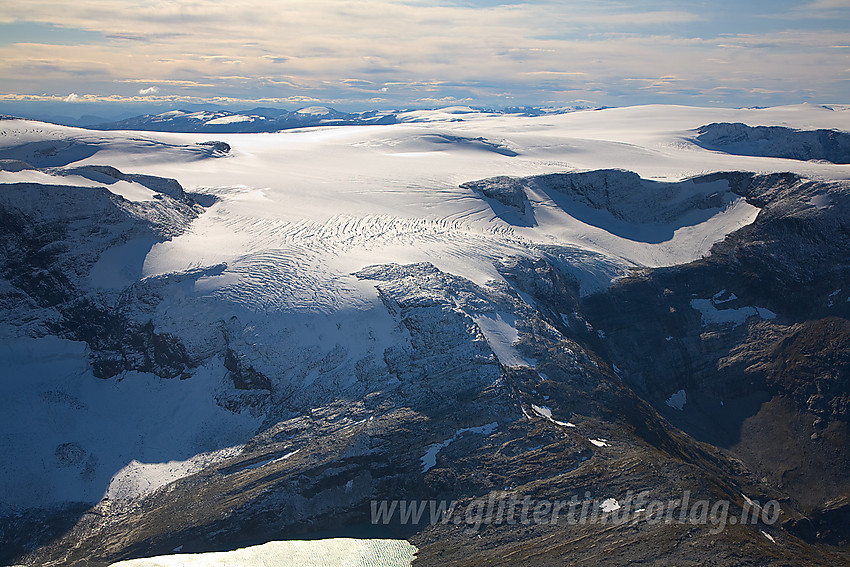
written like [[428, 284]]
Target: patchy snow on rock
[[600, 442], [269, 461], [677, 400], [719, 295], [546, 412], [429, 459], [542, 411], [768, 536], [776, 141]]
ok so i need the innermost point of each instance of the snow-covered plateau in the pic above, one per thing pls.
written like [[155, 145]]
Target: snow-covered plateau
[[174, 301]]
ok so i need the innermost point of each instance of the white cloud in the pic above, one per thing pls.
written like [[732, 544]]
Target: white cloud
[[14, 97], [149, 91], [828, 4]]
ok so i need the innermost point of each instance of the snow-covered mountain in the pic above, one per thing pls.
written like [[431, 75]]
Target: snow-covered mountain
[[274, 119], [777, 141], [255, 120], [230, 340]]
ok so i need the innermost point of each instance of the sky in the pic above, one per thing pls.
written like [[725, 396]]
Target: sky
[[418, 53]]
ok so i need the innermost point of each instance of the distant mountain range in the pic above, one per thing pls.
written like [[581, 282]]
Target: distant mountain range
[[263, 119], [255, 120], [274, 119]]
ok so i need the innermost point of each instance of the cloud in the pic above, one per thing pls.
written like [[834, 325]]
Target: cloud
[[276, 58], [149, 91], [419, 49], [556, 73], [171, 82], [828, 4], [114, 98]]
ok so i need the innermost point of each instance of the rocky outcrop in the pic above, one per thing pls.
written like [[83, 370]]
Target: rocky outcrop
[[221, 148], [746, 348], [775, 141], [109, 175], [50, 247], [505, 190], [623, 194]]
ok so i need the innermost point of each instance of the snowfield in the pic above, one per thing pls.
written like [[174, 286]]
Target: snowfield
[[344, 552], [267, 267]]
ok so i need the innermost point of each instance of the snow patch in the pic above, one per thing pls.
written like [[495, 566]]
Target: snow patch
[[677, 400], [314, 110], [268, 462], [711, 315], [298, 553], [499, 329], [140, 479], [233, 119], [121, 265]]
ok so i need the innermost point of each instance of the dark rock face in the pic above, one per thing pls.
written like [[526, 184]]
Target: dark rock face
[[776, 141], [50, 245], [772, 367], [109, 175], [221, 147], [119, 345], [244, 376], [505, 190], [810, 364], [619, 195]]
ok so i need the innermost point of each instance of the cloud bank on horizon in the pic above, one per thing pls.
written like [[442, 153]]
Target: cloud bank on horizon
[[384, 53]]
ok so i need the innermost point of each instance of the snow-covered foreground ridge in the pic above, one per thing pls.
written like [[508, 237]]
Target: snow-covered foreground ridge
[[260, 298]]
